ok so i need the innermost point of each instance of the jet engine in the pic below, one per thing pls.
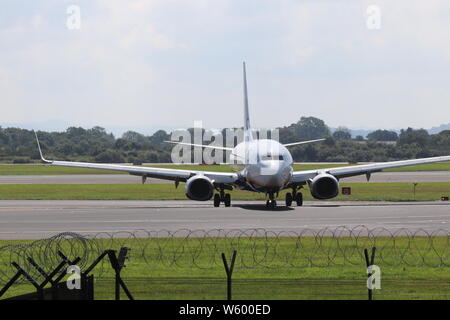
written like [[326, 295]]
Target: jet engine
[[199, 188], [324, 186]]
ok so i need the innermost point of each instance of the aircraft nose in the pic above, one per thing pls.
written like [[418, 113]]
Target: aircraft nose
[[272, 174], [271, 169]]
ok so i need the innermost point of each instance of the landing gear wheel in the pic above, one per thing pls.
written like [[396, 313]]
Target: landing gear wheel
[[216, 200], [288, 199], [299, 199], [227, 200], [271, 204]]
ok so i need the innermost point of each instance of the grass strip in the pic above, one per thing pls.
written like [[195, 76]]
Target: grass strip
[[372, 191]]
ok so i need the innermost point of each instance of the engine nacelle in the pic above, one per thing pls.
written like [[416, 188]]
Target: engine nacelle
[[199, 188], [324, 186]]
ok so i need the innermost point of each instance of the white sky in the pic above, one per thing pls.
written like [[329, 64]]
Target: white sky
[[166, 63]]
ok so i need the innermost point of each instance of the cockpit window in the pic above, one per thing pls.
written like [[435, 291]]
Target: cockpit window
[[269, 156]]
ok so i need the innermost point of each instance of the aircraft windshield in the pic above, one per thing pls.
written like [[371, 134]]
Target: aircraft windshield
[[278, 157]]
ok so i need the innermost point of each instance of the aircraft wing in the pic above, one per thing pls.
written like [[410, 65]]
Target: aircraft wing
[[367, 169], [151, 172]]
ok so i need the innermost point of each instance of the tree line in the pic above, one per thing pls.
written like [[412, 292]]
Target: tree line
[[96, 145]]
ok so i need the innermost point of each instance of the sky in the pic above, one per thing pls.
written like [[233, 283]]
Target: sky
[[145, 65]]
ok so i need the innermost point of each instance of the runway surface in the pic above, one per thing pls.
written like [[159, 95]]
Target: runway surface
[[416, 176], [38, 219]]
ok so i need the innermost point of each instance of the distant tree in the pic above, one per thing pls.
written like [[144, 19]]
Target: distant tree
[[329, 141], [95, 144], [122, 144], [74, 132], [109, 156], [342, 133], [307, 128], [410, 136], [287, 135], [150, 156], [135, 137], [359, 138], [383, 135], [310, 153], [159, 137], [97, 131]]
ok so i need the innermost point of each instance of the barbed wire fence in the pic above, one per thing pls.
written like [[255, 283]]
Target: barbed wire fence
[[257, 248]]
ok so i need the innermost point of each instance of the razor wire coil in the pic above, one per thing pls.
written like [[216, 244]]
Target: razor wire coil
[[257, 248]]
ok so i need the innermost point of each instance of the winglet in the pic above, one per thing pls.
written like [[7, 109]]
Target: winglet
[[40, 151]]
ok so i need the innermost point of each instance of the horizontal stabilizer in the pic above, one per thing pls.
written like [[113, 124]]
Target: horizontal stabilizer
[[302, 142], [200, 145]]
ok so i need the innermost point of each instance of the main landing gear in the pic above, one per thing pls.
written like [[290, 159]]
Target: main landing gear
[[294, 196], [271, 203], [222, 197]]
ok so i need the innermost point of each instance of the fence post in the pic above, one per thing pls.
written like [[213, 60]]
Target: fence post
[[369, 263], [117, 264], [229, 271]]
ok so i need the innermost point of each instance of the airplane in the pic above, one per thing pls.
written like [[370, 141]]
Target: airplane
[[266, 167]]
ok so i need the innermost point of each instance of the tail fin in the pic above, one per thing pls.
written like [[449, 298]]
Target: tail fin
[[247, 129]]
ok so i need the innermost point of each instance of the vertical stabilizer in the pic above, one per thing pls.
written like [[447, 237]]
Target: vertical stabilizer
[[247, 128]]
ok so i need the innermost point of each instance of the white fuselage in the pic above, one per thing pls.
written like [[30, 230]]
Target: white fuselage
[[266, 164]]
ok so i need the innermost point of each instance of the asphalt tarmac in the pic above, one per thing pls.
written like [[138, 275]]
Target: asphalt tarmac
[[36, 219]]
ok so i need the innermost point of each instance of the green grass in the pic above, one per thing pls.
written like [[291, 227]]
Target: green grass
[[159, 276], [390, 191], [43, 169]]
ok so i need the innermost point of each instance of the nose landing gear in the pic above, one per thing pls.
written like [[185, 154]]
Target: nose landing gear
[[271, 204]]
